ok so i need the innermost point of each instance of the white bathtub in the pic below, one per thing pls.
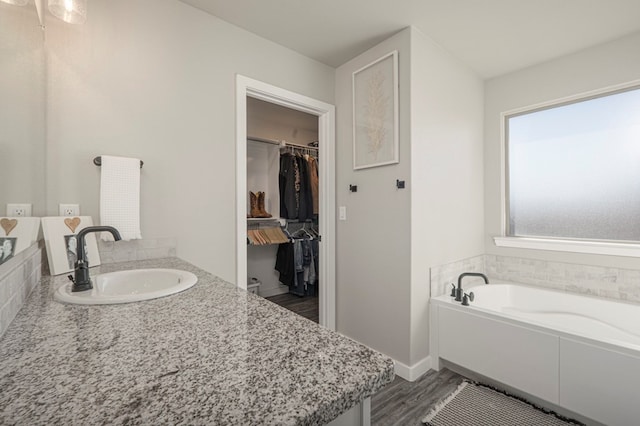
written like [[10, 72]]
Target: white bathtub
[[576, 352]]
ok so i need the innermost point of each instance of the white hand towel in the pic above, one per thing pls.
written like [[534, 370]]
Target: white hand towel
[[120, 196]]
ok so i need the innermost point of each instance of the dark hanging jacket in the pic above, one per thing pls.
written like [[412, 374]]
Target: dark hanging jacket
[[286, 181], [305, 197], [285, 264]]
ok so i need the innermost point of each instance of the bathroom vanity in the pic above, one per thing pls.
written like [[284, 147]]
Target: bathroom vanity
[[213, 354]]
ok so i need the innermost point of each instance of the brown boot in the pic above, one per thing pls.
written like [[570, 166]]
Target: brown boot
[[261, 199], [255, 209]]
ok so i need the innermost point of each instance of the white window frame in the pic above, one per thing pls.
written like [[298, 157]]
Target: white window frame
[[613, 248]]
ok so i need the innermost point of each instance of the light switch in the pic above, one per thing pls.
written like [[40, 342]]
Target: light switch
[[342, 213]]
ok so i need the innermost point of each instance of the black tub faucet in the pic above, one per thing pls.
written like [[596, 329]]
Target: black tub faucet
[[82, 281], [468, 274]]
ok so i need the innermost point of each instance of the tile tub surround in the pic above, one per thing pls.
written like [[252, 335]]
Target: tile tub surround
[[611, 283], [18, 277], [443, 275], [213, 354]]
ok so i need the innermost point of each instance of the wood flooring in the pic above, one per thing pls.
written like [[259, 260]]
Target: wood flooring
[[406, 403], [306, 306]]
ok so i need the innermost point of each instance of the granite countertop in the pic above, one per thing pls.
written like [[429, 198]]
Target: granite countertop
[[213, 354]]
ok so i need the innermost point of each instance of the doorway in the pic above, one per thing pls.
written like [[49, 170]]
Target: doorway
[[325, 113]]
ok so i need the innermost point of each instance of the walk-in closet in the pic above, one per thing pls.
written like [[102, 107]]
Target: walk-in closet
[[283, 234]]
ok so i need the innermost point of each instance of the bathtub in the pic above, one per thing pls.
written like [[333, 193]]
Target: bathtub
[[576, 352]]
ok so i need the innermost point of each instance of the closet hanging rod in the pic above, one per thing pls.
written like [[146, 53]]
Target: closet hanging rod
[[275, 142]]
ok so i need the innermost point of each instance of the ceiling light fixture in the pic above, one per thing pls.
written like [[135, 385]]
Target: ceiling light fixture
[[16, 2], [70, 11]]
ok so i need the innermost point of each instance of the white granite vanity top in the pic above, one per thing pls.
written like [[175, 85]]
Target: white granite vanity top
[[213, 354]]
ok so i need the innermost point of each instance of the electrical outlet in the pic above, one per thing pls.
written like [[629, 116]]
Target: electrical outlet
[[18, 210], [69, 209]]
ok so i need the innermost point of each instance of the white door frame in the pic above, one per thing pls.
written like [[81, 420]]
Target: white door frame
[[326, 137]]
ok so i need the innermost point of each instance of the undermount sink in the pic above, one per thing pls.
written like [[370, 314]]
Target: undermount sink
[[129, 286]]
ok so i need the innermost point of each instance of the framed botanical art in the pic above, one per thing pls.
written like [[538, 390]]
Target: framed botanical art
[[375, 113], [17, 234], [60, 236]]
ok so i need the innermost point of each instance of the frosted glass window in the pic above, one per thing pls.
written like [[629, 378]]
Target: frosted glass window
[[574, 169]]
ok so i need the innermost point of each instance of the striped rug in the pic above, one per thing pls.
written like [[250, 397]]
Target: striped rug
[[477, 405]]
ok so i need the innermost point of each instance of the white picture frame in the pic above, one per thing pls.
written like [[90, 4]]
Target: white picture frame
[[59, 237], [375, 113], [16, 235]]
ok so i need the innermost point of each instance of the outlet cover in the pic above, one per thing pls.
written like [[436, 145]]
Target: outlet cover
[[19, 210], [69, 209]]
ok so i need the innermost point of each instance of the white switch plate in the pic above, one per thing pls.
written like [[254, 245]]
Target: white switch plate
[[19, 210], [69, 209], [342, 215]]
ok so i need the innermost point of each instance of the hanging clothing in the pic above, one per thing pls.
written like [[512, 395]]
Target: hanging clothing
[[295, 181], [289, 264], [305, 203], [285, 264], [297, 263], [286, 181], [310, 277], [313, 172]]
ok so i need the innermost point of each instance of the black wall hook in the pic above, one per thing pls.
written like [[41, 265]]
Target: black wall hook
[[353, 188], [399, 184]]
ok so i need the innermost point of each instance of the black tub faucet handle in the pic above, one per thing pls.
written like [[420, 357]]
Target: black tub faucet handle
[[468, 297]]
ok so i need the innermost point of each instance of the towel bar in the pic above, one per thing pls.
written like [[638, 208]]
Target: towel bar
[[98, 162]]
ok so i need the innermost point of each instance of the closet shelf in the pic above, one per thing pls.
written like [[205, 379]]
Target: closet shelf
[[281, 220], [281, 143]]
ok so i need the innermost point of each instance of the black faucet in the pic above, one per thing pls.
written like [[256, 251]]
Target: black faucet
[[468, 274], [82, 281]]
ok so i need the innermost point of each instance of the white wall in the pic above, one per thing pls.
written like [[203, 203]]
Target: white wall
[[275, 122], [155, 79], [263, 165], [595, 68], [373, 244], [447, 197], [392, 237], [22, 114]]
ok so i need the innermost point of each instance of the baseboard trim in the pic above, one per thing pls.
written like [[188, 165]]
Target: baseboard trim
[[268, 292], [412, 373]]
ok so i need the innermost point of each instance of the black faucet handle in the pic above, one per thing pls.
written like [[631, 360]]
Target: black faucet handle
[[73, 280], [453, 290], [467, 298]]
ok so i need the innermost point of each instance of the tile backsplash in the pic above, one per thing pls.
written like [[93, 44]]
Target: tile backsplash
[[18, 277], [612, 283], [125, 251]]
